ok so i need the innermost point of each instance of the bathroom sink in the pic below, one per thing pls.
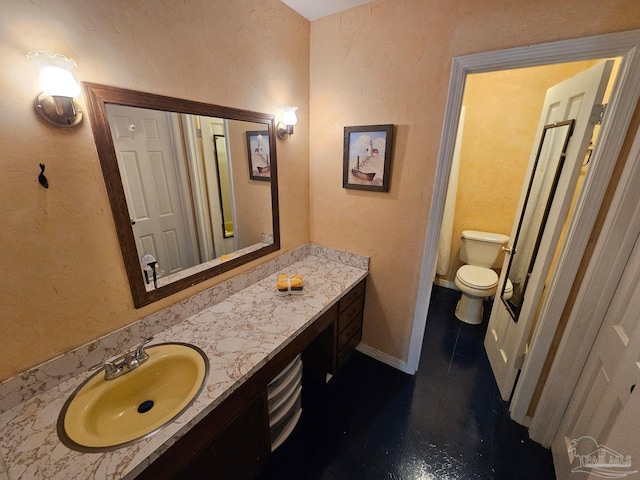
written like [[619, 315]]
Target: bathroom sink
[[103, 415]]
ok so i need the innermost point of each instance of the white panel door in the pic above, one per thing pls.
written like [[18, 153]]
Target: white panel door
[[144, 148], [572, 99], [607, 381]]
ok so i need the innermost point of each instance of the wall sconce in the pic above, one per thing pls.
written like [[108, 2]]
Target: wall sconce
[[289, 119], [56, 103]]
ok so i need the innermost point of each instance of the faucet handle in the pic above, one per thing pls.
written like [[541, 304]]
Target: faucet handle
[[139, 354], [111, 370]]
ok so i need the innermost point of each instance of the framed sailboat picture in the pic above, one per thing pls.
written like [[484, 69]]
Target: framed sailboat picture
[[258, 154], [367, 157]]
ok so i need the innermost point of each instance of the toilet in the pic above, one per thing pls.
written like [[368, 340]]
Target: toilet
[[480, 251], [508, 290]]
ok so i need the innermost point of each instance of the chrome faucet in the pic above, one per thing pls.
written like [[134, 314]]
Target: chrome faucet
[[131, 360]]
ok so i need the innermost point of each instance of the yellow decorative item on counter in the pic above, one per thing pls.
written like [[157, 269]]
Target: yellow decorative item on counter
[[290, 284]]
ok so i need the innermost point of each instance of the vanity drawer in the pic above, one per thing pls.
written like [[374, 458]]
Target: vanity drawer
[[357, 291], [346, 334], [351, 314], [349, 348]]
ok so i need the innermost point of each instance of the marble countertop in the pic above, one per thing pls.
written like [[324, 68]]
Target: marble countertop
[[239, 335]]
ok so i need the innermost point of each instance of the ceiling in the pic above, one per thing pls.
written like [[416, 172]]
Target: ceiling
[[315, 9]]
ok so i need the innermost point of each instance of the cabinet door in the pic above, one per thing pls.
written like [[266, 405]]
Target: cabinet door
[[238, 452], [217, 449]]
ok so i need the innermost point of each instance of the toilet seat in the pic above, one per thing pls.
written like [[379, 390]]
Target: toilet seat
[[476, 284], [477, 278]]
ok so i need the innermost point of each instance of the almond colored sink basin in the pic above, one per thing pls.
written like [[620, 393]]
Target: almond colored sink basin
[[105, 415]]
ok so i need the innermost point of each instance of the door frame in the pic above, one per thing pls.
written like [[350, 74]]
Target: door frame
[[623, 101]]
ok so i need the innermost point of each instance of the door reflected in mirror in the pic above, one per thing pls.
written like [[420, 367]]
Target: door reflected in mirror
[[223, 176], [539, 197], [182, 196]]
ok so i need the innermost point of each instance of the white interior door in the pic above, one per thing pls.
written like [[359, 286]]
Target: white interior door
[[607, 381], [623, 438], [574, 98], [151, 179]]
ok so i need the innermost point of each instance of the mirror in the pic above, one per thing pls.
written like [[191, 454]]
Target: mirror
[[178, 177], [539, 197]]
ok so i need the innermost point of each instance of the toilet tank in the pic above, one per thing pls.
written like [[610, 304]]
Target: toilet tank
[[483, 249]]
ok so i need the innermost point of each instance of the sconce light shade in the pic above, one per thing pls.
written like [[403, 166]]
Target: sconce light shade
[[289, 119], [55, 103]]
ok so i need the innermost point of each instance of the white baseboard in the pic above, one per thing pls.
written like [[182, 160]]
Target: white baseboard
[[384, 358], [388, 359], [441, 282]]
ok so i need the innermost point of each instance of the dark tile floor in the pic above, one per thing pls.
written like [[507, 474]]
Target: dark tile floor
[[446, 422]]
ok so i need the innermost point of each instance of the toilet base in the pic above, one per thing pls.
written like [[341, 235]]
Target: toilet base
[[469, 309]]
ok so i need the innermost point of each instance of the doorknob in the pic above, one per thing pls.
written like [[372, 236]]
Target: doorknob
[[506, 250]]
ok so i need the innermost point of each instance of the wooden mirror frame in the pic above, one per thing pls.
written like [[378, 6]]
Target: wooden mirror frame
[[97, 97]]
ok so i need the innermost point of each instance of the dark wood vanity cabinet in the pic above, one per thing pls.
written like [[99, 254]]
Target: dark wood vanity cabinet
[[233, 441], [332, 347], [349, 325]]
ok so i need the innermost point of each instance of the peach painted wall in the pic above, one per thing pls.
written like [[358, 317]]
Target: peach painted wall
[[63, 282], [389, 62], [502, 114]]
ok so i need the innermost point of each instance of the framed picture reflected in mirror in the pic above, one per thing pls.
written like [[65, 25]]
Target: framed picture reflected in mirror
[[258, 154]]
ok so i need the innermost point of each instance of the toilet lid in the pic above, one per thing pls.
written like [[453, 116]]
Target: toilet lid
[[477, 277]]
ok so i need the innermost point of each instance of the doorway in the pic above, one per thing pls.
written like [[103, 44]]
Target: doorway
[[502, 109], [616, 121]]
